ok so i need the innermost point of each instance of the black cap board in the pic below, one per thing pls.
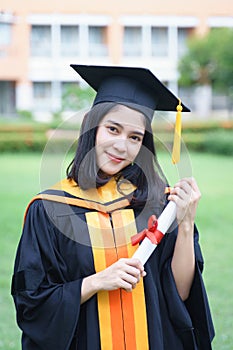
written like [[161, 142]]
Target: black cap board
[[128, 85]]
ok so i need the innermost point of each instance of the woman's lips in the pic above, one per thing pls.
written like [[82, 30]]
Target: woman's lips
[[114, 158]]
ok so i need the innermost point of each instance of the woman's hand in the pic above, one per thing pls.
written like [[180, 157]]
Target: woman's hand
[[124, 273], [186, 195]]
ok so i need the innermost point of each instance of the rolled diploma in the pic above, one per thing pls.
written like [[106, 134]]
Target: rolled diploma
[[165, 220]]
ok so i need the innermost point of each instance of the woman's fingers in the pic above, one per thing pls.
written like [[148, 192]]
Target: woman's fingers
[[132, 268], [186, 189], [125, 273], [186, 195]]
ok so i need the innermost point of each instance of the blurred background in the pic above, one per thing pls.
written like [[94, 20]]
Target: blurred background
[[189, 48], [187, 45]]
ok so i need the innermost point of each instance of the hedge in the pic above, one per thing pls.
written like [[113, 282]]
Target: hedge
[[204, 137], [37, 142], [217, 142]]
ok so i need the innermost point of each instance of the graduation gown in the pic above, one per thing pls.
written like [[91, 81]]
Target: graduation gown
[[69, 234]]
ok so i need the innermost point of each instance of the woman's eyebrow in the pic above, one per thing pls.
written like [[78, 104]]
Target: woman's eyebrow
[[113, 122], [121, 126]]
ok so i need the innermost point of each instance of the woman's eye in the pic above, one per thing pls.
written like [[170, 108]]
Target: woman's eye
[[112, 129], [136, 138]]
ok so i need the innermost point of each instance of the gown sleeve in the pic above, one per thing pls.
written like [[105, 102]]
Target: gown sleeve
[[192, 318], [47, 305]]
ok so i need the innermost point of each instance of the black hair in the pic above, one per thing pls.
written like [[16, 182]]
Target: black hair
[[145, 173]]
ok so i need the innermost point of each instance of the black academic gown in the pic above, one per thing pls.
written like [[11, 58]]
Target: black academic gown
[[53, 257]]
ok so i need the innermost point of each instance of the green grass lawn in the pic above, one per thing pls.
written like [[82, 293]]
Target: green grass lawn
[[21, 177]]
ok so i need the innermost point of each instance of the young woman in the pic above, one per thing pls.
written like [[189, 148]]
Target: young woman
[[75, 283]]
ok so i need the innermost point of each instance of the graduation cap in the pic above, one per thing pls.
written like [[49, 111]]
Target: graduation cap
[[134, 87]]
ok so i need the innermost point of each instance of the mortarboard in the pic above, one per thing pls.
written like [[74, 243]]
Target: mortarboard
[[135, 87]]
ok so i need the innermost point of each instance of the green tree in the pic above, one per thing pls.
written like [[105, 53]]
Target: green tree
[[76, 97], [209, 61], [222, 75]]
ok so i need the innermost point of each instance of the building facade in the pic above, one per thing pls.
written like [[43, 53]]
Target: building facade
[[39, 40]]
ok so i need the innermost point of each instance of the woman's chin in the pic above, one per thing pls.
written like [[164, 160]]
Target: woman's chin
[[111, 170]]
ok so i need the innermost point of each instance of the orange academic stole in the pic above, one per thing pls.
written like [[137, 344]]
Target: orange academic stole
[[122, 315]]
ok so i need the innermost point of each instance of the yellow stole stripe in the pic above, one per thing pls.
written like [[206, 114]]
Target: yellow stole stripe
[[136, 324], [110, 317], [122, 315]]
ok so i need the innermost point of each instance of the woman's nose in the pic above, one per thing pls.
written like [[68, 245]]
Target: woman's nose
[[120, 144]]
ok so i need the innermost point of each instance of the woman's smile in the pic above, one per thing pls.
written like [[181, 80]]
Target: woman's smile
[[114, 158]]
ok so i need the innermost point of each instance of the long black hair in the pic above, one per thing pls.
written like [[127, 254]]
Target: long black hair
[[145, 173]]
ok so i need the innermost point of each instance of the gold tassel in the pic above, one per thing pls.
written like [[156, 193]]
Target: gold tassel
[[177, 135]]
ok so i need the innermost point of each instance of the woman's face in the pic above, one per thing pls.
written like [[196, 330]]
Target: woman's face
[[119, 139]]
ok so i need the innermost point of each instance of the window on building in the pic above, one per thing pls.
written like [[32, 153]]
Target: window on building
[[159, 41], [183, 34], [7, 97], [5, 34], [69, 40], [42, 93], [132, 44], [97, 41], [40, 41]]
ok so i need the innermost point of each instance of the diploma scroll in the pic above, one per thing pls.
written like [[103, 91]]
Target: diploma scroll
[[164, 221]]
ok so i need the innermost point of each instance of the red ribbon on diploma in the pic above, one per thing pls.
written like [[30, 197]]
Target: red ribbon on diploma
[[154, 235]]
